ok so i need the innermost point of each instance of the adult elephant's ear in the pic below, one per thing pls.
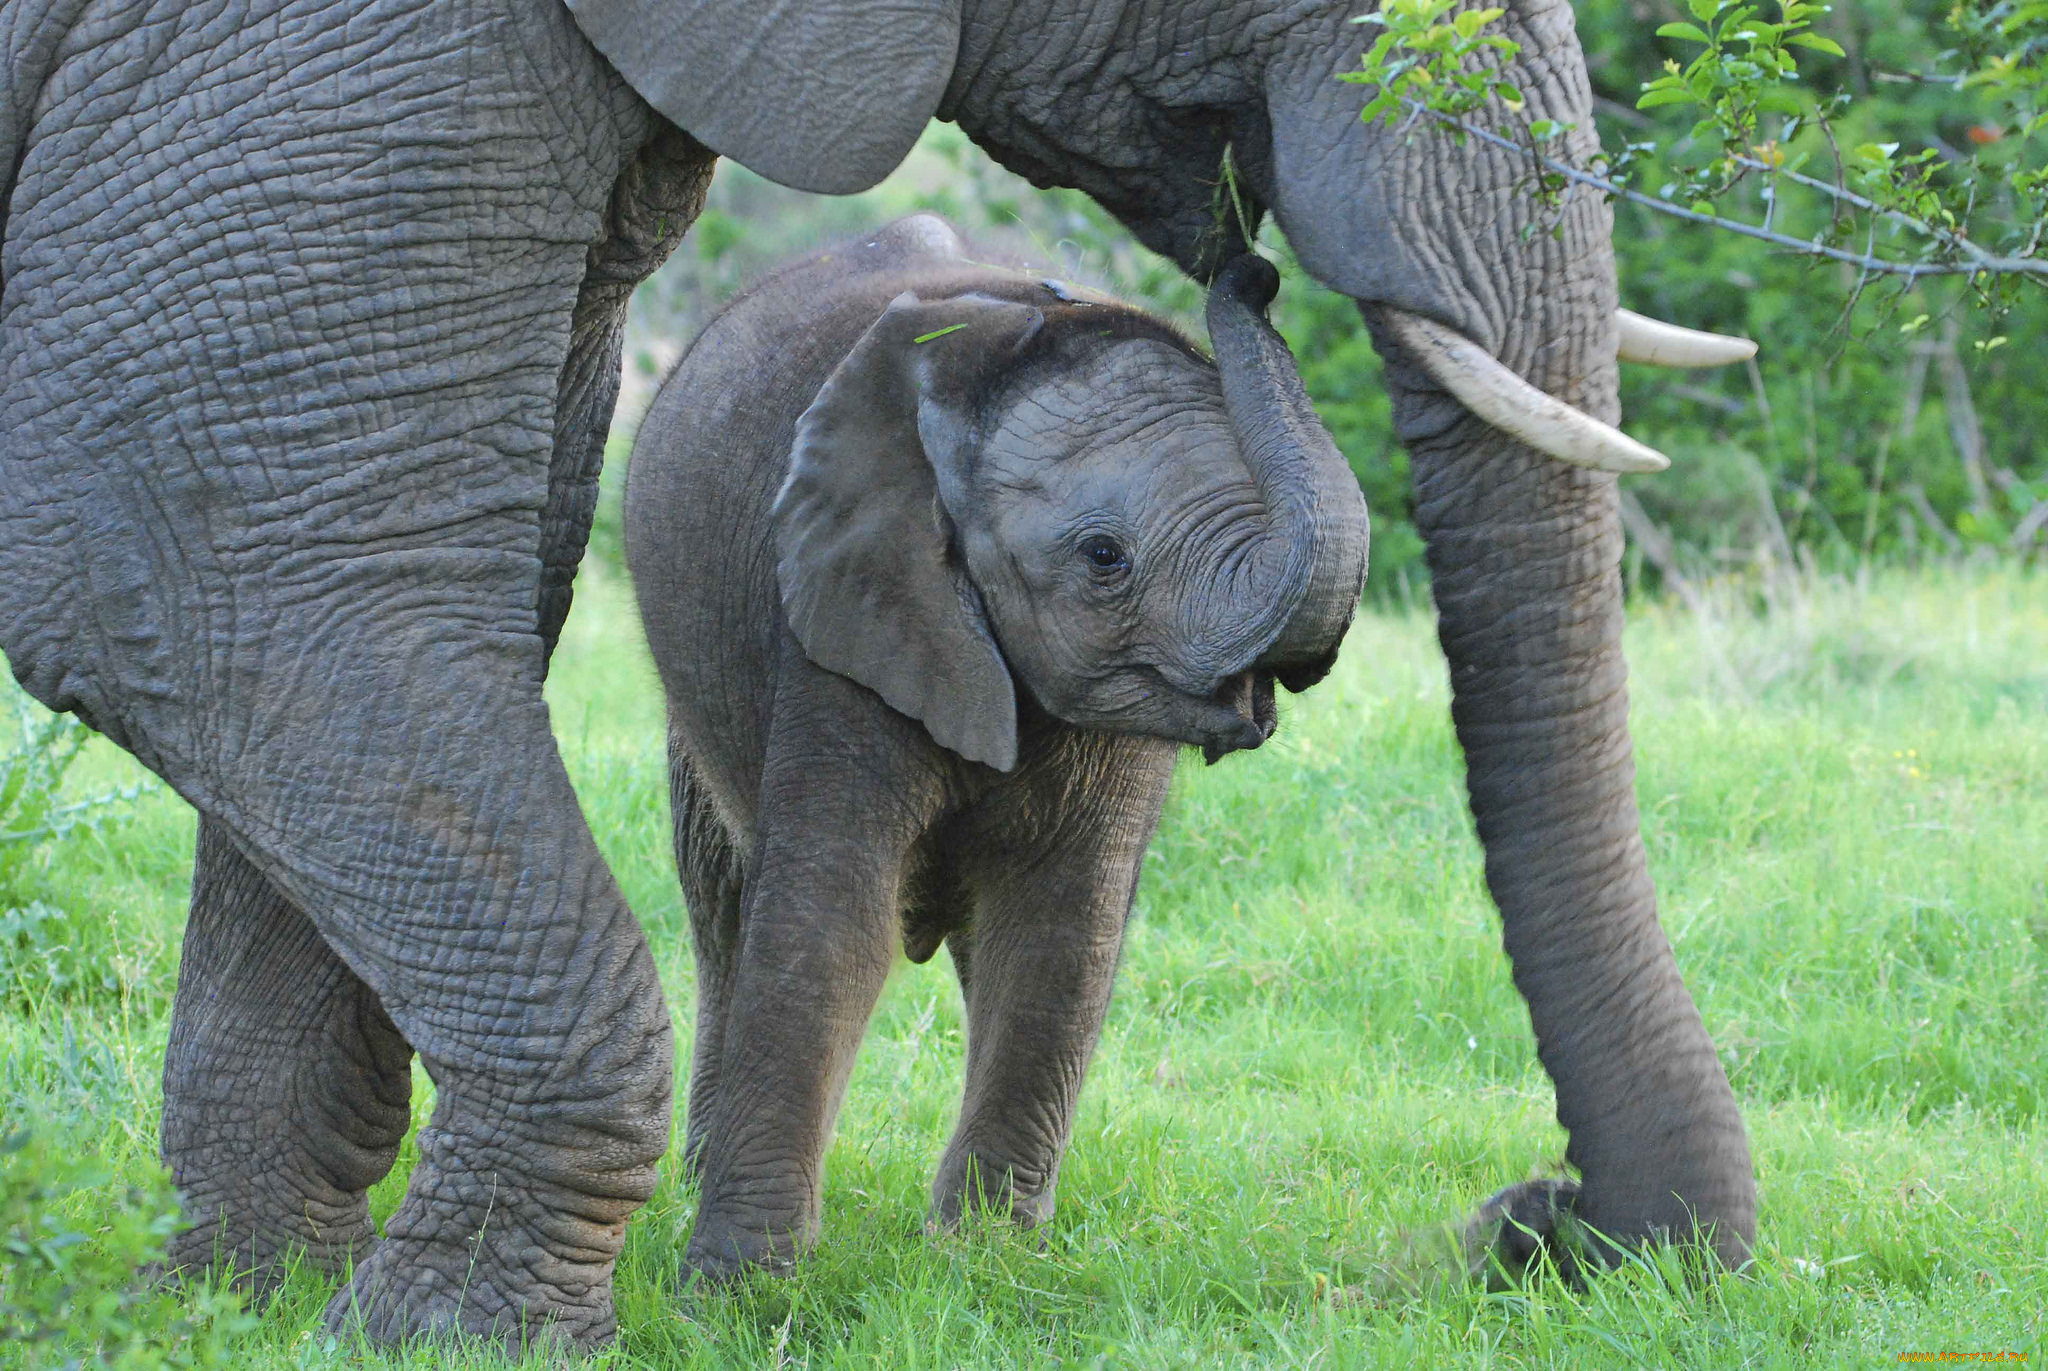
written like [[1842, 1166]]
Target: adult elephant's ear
[[872, 584], [824, 97]]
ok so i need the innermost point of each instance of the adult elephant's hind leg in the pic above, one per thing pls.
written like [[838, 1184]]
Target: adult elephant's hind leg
[[441, 852], [294, 561], [285, 1084]]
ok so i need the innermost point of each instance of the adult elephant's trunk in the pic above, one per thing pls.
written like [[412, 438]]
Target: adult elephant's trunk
[[1314, 557], [1525, 555], [1456, 265]]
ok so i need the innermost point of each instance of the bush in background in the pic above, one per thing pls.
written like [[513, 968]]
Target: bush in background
[[1883, 419], [75, 1244], [40, 947], [73, 1290]]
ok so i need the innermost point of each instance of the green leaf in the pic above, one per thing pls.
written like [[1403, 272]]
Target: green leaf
[[1703, 10], [1664, 97], [1470, 22], [1691, 31], [1817, 43]]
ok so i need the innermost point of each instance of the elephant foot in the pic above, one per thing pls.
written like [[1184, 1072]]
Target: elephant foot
[[502, 1287], [255, 1257], [969, 1184], [1503, 1238], [522, 1260], [720, 1254]]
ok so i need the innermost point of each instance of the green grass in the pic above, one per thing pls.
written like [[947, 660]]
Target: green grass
[[1315, 1048]]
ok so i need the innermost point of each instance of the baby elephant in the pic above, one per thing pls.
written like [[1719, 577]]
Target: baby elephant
[[939, 562]]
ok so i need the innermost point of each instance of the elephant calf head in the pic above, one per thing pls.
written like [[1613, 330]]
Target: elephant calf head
[[1017, 483]]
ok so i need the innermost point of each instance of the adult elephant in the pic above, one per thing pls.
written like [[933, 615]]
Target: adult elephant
[[309, 321]]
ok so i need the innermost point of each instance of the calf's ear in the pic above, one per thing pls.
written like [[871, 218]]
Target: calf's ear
[[871, 582], [822, 97]]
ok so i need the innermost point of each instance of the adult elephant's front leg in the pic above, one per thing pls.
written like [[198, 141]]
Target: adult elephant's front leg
[[286, 1084]]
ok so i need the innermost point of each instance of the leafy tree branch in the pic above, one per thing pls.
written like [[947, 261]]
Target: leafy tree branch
[[1979, 217]]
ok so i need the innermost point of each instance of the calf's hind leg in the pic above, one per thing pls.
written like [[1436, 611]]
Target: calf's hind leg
[[713, 887]]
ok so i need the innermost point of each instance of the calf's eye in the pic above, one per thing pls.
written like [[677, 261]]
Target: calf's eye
[[1104, 553]]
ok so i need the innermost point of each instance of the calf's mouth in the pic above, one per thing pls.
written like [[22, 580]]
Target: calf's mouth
[[1249, 697]]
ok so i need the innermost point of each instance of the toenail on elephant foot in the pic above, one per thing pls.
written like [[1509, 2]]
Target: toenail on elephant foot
[[1505, 1235]]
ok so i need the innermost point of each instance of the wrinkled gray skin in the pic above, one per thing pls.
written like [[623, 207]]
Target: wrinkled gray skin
[[308, 338], [931, 545]]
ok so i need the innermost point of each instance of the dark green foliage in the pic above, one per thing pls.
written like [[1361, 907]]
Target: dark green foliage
[[41, 955], [31, 772], [1884, 419], [33, 809]]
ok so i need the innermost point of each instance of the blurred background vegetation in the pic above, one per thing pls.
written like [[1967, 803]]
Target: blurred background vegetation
[[1852, 441]]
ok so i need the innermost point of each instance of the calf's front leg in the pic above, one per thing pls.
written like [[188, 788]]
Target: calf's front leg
[[1047, 930], [841, 806]]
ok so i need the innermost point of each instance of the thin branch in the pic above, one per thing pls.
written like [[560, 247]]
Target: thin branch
[[1843, 193], [2029, 527], [2034, 238], [1881, 266], [1827, 131], [1927, 78], [1623, 114], [1917, 498]]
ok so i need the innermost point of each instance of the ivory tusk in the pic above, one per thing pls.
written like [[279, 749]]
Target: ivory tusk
[[1512, 405], [1659, 344]]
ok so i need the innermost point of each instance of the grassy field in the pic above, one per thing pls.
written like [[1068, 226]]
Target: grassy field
[[1315, 1048]]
